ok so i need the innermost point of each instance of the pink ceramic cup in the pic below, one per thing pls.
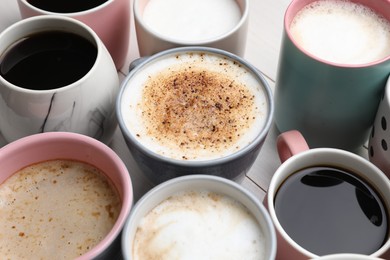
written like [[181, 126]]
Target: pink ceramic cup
[[63, 145], [110, 21], [295, 155]]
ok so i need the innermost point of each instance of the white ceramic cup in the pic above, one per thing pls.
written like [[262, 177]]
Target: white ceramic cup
[[347, 257], [193, 183], [379, 140], [110, 21], [296, 155], [86, 106], [151, 41]]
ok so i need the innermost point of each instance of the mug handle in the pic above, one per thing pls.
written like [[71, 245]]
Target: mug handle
[[290, 143]]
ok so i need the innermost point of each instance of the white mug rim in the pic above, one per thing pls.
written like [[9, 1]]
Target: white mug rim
[[96, 42]]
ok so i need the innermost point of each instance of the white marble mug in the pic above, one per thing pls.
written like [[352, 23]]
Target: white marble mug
[[86, 106]]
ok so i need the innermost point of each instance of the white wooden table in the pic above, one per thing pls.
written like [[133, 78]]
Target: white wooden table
[[262, 50]]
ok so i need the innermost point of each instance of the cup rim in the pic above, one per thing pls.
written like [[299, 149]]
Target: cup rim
[[79, 13], [48, 18], [288, 17], [380, 179], [139, 18], [127, 196], [188, 179], [198, 163]]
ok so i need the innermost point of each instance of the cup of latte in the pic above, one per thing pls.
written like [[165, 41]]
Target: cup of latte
[[62, 195], [56, 75], [333, 67], [198, 217], [327, 201], [110, 19], [162, 24], [194, 110]]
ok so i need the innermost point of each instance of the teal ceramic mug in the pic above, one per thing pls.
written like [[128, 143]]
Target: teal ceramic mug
[[330, 100]]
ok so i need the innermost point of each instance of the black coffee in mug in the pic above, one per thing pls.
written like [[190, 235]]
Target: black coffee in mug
[[47, 60], [328, 210], [66, 6]]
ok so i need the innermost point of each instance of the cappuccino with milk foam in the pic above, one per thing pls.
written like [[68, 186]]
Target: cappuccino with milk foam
[[194, 106], [342, 32], [198, 225], [56, 209]]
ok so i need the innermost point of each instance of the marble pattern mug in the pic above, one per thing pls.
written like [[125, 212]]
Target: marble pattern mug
[[86, 106]]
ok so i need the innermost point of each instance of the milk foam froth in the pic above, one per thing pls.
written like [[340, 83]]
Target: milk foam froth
[[192, 20], [342, 32], [199, 225], [194, 106], [57, 209]]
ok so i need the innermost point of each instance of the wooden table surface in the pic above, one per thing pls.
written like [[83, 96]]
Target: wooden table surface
[[262, 50]]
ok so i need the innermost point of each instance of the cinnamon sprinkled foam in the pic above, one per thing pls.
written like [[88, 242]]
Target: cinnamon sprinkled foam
[[194, 106]]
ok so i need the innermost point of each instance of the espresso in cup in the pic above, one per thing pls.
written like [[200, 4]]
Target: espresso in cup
[[342, 32], [48, 60], [198, 224], [194, 106], [191, 20], [66, 6], [328, 210], [56, 208]]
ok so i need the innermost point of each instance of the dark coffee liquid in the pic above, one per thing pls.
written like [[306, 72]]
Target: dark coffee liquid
[[327, 210], [47, 60], [66, 6]]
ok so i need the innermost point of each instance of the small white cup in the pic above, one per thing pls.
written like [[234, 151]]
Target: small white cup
[[151, 41], [193, 183]]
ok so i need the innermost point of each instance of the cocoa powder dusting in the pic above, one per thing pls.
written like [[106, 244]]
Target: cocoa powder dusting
[[193, 108]]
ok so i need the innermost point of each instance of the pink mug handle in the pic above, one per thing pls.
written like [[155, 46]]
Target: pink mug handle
[[290, 143]]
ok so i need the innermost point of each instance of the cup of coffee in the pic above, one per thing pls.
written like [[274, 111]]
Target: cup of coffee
[[62, 194], [379, 141], [110, 19], [161, 24], [327, 201], [347, 257], [199, 217], [56, 75], [194, 110], [333, 67]]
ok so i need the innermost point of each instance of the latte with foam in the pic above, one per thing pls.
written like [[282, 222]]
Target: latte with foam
[[199, 225], [342, 32], [57, 209], [194, 106]]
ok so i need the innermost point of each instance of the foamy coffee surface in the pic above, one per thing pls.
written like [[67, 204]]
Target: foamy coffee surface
[[342, 32], [194, 106], [55, 210], [198, 225], [191, 20]]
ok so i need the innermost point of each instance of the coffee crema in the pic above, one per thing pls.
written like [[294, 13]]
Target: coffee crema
[[191, 20], [328, 210], [56, 209], [198, 225], [66, 6], [342, 32], [47, 60], [194, 106]]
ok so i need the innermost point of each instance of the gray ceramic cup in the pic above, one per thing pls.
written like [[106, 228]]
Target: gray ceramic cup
[[158, 167], [195, 183]]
